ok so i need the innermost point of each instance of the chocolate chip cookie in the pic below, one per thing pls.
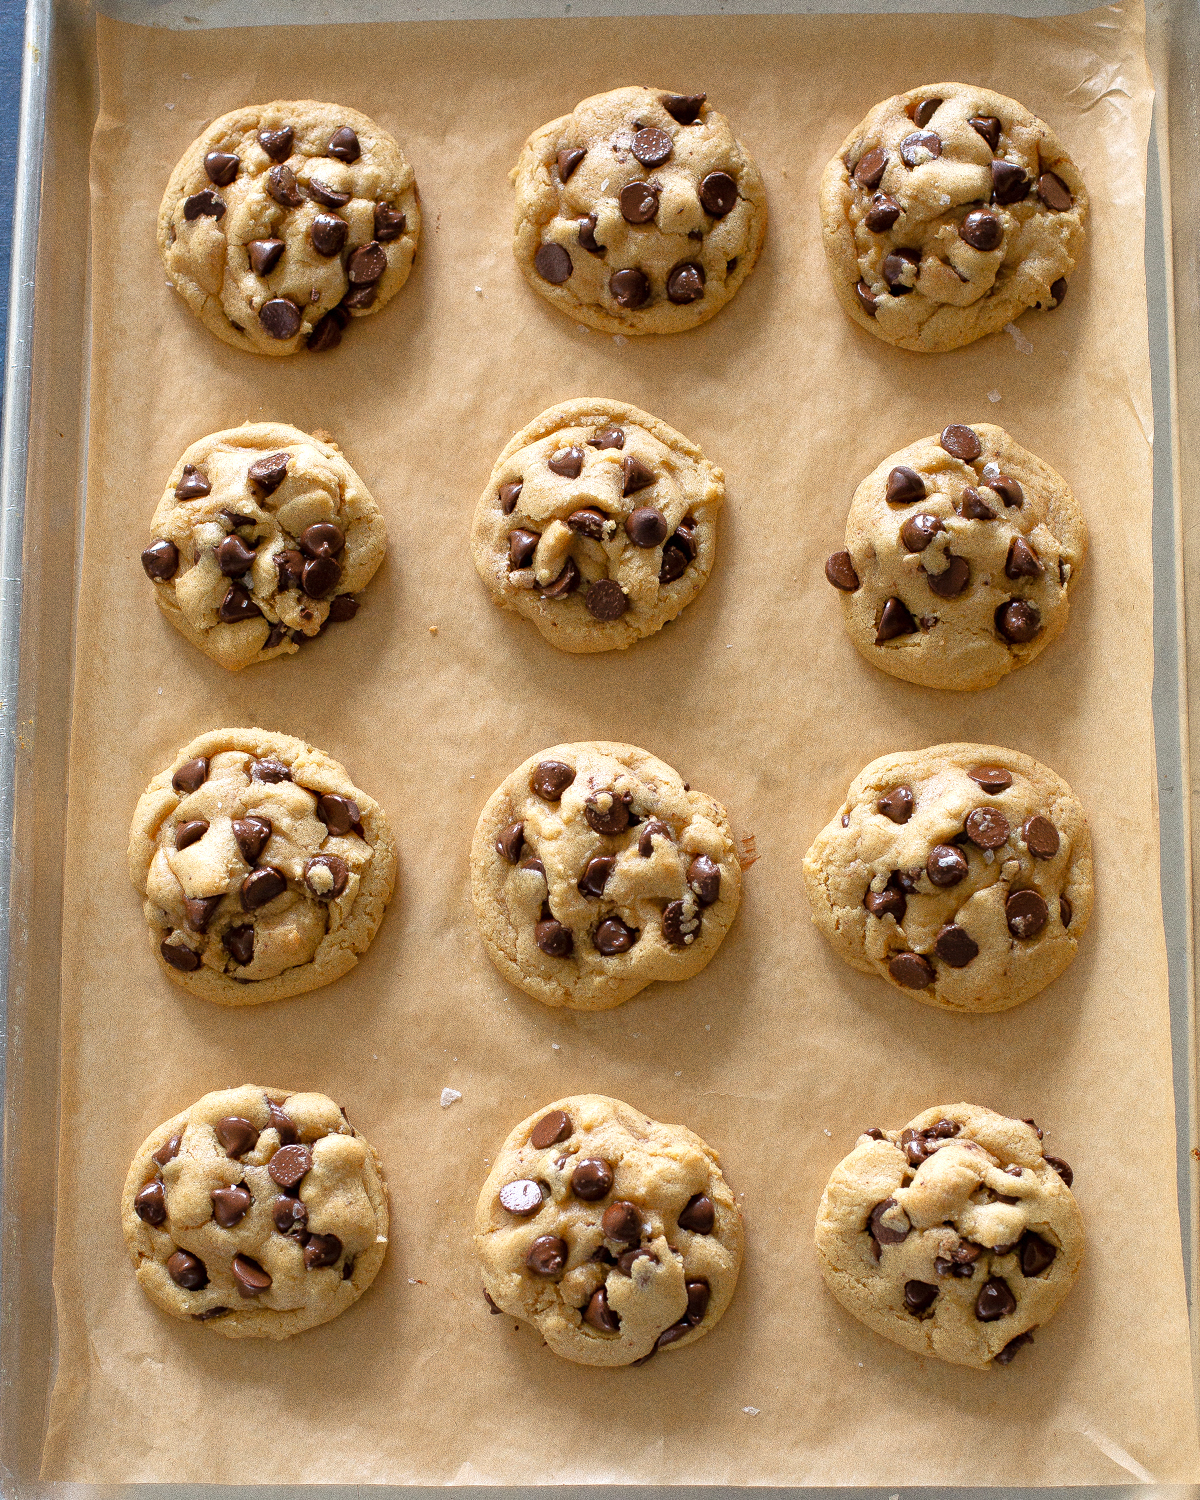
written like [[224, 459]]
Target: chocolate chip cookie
[[961, 554], [263, 537], [598, 523], [256, 1212], [615, 1235], [956, 1236], [961, 874], [286, 220], [638, 212], [595, 870], [264, 870], [946, 213]]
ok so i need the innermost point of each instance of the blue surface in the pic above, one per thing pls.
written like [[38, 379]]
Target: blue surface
[[12, 33]]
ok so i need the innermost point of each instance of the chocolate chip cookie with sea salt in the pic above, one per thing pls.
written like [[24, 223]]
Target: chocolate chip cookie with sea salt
[[595, 871], [598, 523], [638, 212], [956, 1237], [961, 874], [961, 554], [284, 221], [615, 1235], [256, 1212], [946, 213], [264, 870], [263, 537]]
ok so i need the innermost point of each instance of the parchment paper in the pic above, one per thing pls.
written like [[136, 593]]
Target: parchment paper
[[778, 1053]]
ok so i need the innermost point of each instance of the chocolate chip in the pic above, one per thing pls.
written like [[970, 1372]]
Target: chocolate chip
[[340, 815], [327, 333], [994, 1300], [550, 779], [685, 283], [367, 264], [684, 107], [1058, 290], [981, 230], [704, 880], [595, 875], [896, 804], [919, 1296], [168, 1151], [230, 1205], [590, 522], [988, 127], [1054, 192], [646, 838], [946, 865], [874, 1133], [342, 607], [919, 530], [1007, 488], [1035, 1254], [679, 929], [646, 526], [290, 1165], [987, 827], [205, 204], [283, 187], [568, 462], [510, 841], [262, 885], [521, 1198], [551, 1129], [1009, 1352], [635, 475], [187, 1271], [904, 486], [974, 508], [251, 1279], [553, 938], [1022, 560], [161, 561], [629, 288], [698, 1294], [627, 1257], [1041, 837], [951, 581], [390, 223], [264, 255], [193, 484], [598, 1313], [622, 1222], [221, 167], [926, 110], [639, 202], [587, 235], [1009, 183], [566, 582], [607, 437], [282, 1123], [234, 557], [547, 1255], [326, 876], [270, 771], [920, 147], [522, 545], [236, 1135], [608, 811], [961, 443], [893, 269], [239, 942], [509, 494], [718, 194], [568, 160], [839, 569], [1018, 621], [1065, 910], [280, 317], [237, 605], [328, 234], [199, 911], [698, 1214], [884, 1233], [869, 171], [321, 192], [993, 779], [1061, 1167], [866, 299], [652, 146], [277, 143], [343, 144], [592, 1179], [955, 947], [612, 936], [322, 1250], [911, 970], [319, 576], [882, 213], [150, 1205], [1027, 914], [890, 901], [552, 263], [606, 600], [894, 620], [191, 775]]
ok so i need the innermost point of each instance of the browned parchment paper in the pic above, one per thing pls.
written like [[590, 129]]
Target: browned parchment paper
[[778, 1053]]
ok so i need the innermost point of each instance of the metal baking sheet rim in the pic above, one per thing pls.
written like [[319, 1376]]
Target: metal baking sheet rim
[[1170, 676]]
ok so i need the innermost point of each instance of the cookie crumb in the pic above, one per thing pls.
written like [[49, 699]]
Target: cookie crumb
[[322, 436], [1018, 338], [993, 396], [751, 1411], [479, 291], [433, 630], [449, 1097], [749, 851]]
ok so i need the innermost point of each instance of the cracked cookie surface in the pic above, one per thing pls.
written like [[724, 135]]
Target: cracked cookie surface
[[257, 1212], [638, 212], [598, 524], [263, 537], [264, 870], [961, 554], [595, 871], [284, 221], [615, 1235], [946, 213], [961, 874], [955, 1237]]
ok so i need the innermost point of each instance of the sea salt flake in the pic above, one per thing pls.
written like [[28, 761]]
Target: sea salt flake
[[1018, 338], [993, 396], [449, 1097], [751, 1411], [619, 338]]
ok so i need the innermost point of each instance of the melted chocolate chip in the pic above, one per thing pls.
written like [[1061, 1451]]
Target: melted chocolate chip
[[547, 1255], [606, 600], [961, 443], [1054, 192], [1061, 1167], [919, 1297], [995, 1300], [568, 159], [239, 943], [261, 886], [1023, 561], [591, 522], [1035, 1254], [343, 144], [987, 827], [236, 1135], [685, 283], [230, 1205], [290, 1165], [587, 235], [635, 475], [608, 811], [866, 299], [598, 1313], [975, 508], [191, 775], [553, 263], [885, 1233], [639, 202], [896, 804], [280, 317], [510, 841], [282, 1123], [905, 486], [946, 865], [328, 234], [839, 570], [993, 779], [322, 1250], [551, 778], [234, 557], [567, 462], [919, 530], [321, 192], [882, 213], [678, 928], [150, 1205], [1008, 489], [269, 771], [894, 268], [1065, 910], [612, 936], [921, 146], [889, 902], [187, 1271], [522, 545], [981, 230], [894, 620], [592, 1179], [199, 911], [988, 127], [652, 146], [646, 837], [508, 495], [704, 880], [277, 143], [205, 204], [595, 876], [1009, 183], [566, 582], [326, 876], [698, 1214], [553, 938], [161, 561], [340, 815], [390, 223], [684, 107], [646, 526], [911, 970], [180, 957]]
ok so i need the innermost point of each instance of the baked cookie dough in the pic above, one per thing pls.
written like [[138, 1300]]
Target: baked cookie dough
[[961, 874], [285, 220], [595, 871], [598, 524], [956, 1236], [946, 213], [263, 537], [961, 554], [638, 212], [613, 1234], [264, 870], [256, 1212]]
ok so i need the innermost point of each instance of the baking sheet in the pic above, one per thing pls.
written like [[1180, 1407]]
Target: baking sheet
[[754, 694]]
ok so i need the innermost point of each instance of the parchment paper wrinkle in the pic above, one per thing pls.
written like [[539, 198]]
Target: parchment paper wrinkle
[[777, 1054]]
